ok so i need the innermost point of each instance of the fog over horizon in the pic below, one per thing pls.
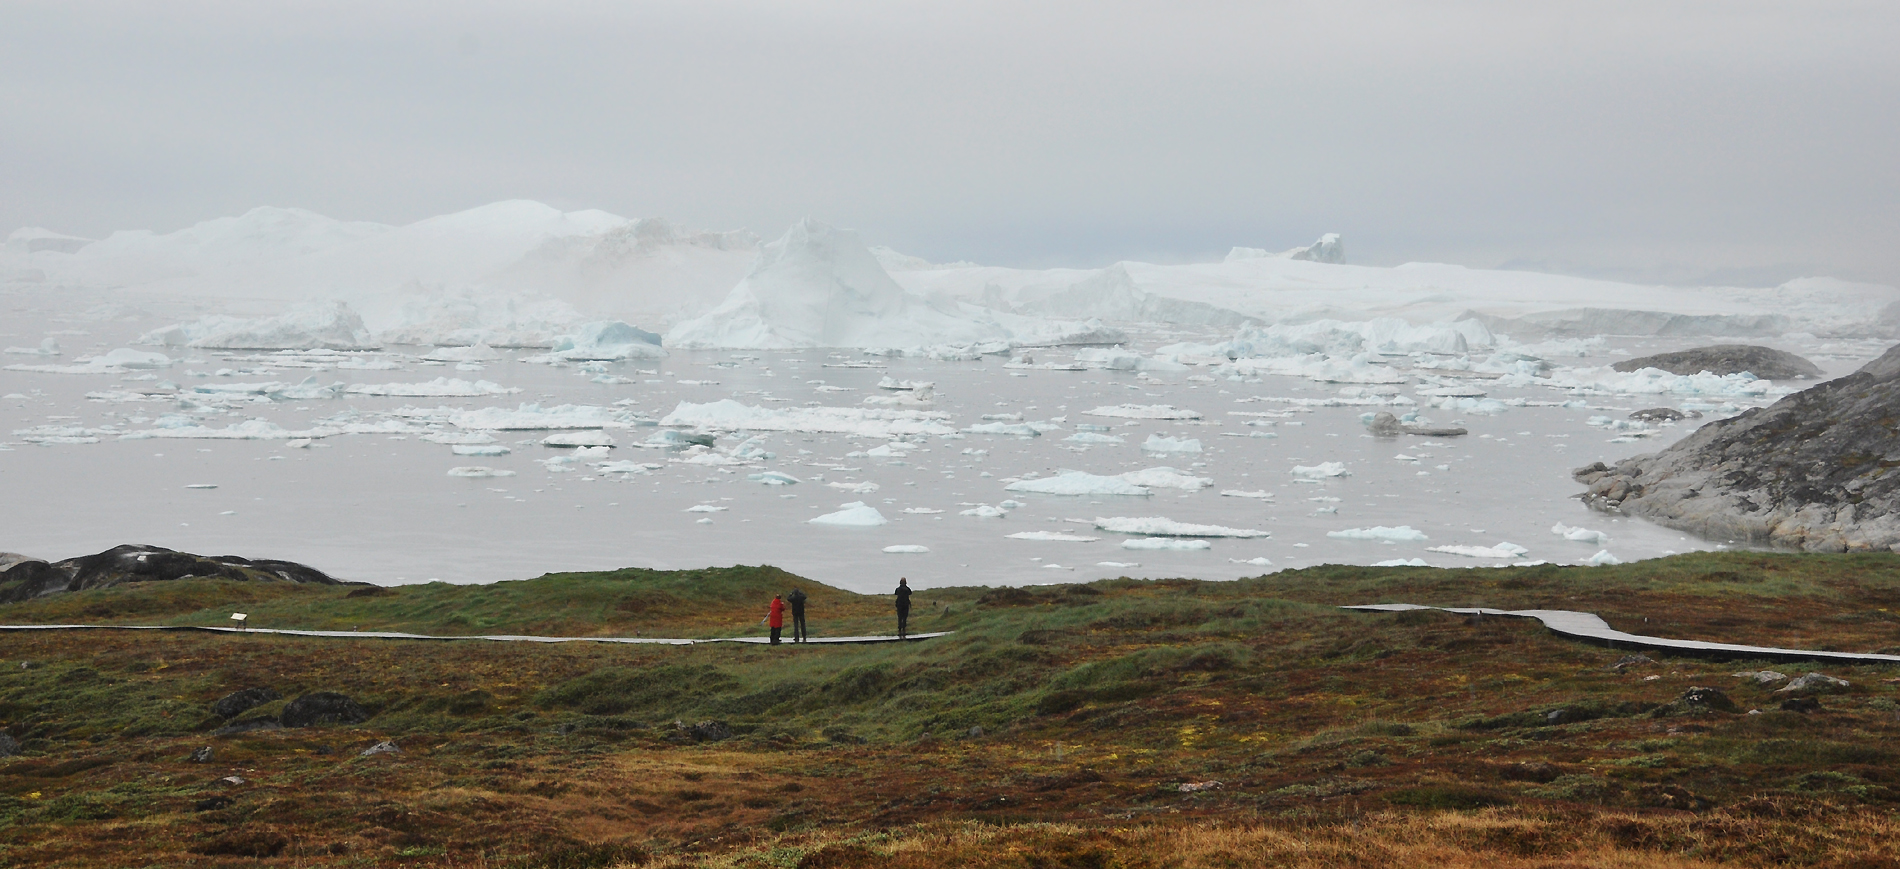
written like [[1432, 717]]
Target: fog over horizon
[[1742, 144]]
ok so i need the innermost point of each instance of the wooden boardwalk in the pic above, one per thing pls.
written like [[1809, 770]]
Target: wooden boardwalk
[[503, 638], [1592, 629]]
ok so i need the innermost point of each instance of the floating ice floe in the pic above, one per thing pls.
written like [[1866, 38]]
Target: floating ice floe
[[1165, 543], [856, 514], [252, 429], [626, 467], [1052, 536], [118, 361], [477, 353], [773, 478], [920, 511], [1320, 471], [1093, 438], [1159, 444], [985, 511], [1603, 558], [314, 325], [730, 415], [1167, 478], [533, 417], [603, 341], [588, 438], [1401, 534], [906, 549], [1261, 494], [1581, 535], [1078, 483], [1163, 527], [441, 387], [1401, 562], [48, 347], [1261, 561], [459, 437], [479, 450], [1015, 429], [1502, 550], [705, 508], [889, 383], [478, 471], [1144, 411]]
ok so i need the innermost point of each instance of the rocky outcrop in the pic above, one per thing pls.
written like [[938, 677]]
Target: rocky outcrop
[[1766, 363], [1813, 471], [322, 707], [28, 579]]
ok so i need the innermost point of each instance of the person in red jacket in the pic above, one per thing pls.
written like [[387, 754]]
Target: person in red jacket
[[775, 619]]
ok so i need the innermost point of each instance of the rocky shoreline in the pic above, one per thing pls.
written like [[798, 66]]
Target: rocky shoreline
[[1812, 471]]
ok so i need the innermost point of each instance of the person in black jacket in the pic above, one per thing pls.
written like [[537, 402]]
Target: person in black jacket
[[797, 600], [903, 607]]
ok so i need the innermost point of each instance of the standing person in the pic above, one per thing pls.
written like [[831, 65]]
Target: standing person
[[775, 618], [797, 600], [903, 607]]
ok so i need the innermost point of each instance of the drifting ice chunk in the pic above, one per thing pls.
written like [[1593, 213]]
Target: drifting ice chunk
[[1581, 535], [578, 439], [1502, 550], [1053, 536], [1157, 525], [331, 326], [985, 511], [478, 471], [856, 514], [1159, 444], [1401, 562], [254, 429], [705, 508], [1241, 493], [477, 353], [921, 511], [1167, 478], [1167, 543], [729, 415], [1016, 429], [1602, 558], [1144, 411], [1403, 533], [437, 388], [1089, 437], [48, 347], [1320, 471], [608, 340], [773, 478], [454, 437], [906, 548], [116, 362], [532, 417], [1078, 483], [888, 383], [1261, 561], [479, 450]]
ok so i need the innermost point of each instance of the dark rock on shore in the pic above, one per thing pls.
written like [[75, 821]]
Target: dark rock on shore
[[31, 578], [1663, 414], [8, 745], [238, 702], [1766, 363], [322, 707], [1813, 471]]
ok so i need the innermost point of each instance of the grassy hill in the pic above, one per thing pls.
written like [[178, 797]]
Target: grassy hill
[[1059, 726]]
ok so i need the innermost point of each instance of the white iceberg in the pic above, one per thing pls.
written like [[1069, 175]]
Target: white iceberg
[[479, 352], [1401, 562], [441, 387], [1259, 494], [1603, 558], [1401, 534], [1167, 478], [1165, 543], [1502, 550], [1052, 536], [1078, 483], [332, 326], [906, 548], [1581, 535], [1090, 437], [730, 415], [607, 340], [856, 514], [818, 286], [1320, 471], [1163, 527], [478, 471], [1143, 411], [479, 450], [1159, 444], [587, 438]]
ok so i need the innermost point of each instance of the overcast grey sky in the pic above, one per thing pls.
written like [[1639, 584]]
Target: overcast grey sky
[[1751, 140]]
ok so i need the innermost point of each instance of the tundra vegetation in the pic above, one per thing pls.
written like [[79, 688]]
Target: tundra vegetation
[[1121, 723]]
